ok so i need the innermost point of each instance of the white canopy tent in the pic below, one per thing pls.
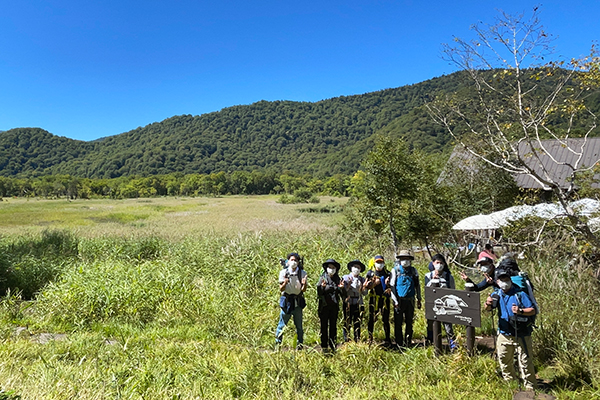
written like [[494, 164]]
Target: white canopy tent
[[498, 219]]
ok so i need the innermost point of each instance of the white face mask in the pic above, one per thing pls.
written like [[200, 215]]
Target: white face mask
[[379, 266], [504, 285], [485, 269], [355, 271], [292, 264], [405, 263], [331, 271], [438, 267]]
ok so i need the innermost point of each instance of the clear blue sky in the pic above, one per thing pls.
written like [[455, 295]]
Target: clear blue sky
[[87, 69]]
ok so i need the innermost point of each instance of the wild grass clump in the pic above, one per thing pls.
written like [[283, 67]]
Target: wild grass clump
[[111, 290], [29, 262], [126, 249], [567, 337]]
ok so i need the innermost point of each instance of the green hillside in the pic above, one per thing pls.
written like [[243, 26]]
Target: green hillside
[[322, 138]]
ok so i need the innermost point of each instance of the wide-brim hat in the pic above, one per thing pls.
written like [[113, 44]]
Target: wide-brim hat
[[404, 254], [331, 261], [356, 262]]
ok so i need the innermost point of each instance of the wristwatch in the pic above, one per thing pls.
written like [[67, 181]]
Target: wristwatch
[[520, 310]]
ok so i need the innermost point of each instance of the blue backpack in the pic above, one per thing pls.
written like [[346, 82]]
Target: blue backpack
[[524, 284], [405, 281]]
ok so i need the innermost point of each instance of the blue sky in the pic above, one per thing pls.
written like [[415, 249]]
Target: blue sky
[[87, 69]]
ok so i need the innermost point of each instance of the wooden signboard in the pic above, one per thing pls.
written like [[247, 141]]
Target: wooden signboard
[[453, 306]]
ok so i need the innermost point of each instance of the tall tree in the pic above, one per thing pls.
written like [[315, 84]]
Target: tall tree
[[518, 100]]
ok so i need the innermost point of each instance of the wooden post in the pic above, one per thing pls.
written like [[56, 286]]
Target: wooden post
[[437, 326], [470, 287]]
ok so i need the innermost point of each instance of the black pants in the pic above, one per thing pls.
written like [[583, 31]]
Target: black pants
[[405, 312], [379, 305], [328, 316], [352, 318]]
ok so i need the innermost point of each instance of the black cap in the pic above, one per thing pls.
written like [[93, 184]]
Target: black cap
[[501, 273]]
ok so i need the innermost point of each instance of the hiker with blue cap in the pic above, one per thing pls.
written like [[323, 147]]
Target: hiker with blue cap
[[515, 314]]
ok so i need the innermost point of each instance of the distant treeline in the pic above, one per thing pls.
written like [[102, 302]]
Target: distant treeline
[[215, 184]]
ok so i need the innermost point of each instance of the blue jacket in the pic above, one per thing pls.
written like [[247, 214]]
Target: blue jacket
[[505, 302]]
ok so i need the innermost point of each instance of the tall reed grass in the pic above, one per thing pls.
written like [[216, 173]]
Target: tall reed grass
[[152, 318]]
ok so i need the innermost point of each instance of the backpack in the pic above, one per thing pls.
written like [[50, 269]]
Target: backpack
[[405, 281], [522, 281], [522, 323]]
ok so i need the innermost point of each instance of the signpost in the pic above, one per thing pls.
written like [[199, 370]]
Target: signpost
[[453, 306]]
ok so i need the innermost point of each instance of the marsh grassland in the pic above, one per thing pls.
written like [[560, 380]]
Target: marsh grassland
[[177, 299]]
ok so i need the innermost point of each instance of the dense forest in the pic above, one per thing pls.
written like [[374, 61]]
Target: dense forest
[[299, 187], [322, 139]]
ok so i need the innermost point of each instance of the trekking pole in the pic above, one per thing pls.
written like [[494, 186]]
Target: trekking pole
[[516, 352], [494, 334]]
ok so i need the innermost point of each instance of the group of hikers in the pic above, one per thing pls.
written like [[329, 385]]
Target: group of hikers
[[399, 289]]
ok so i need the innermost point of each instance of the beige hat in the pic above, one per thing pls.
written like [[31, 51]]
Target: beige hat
[[404, 254]]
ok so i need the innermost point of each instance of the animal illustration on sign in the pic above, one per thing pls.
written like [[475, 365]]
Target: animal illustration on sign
[[449, 305]]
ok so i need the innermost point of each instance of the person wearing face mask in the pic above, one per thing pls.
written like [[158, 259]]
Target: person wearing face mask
[[514, 333], [354, 307], [486, 266], [329, 293], [292, 285], [404, 281], [378, 283], [440, 274]]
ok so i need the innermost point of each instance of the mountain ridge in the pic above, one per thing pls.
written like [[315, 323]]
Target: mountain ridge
[[321, 138]]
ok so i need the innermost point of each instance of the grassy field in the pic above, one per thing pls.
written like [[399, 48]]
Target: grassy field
[[177, 299], [172, 218]]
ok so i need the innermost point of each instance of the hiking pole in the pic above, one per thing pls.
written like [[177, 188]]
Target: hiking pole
[[517, 351]]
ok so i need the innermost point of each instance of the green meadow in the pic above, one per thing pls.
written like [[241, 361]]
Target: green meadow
[[177, 298]]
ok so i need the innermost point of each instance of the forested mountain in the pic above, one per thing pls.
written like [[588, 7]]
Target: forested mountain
[[322, 138]]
